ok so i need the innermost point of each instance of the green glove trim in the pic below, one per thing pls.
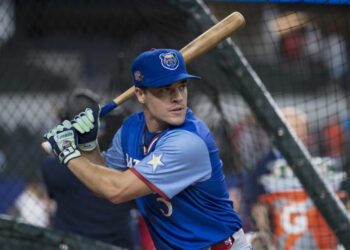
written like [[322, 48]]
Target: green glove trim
[[63, 140], [87, 124], [84, 122]]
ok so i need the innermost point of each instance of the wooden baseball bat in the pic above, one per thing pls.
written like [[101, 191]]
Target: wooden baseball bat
[[200, 45], [203, 43]]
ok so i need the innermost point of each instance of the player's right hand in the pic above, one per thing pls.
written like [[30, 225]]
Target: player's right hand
[[87, 124], [63, 139]]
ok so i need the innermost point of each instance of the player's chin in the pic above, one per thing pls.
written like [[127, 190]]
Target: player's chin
[[176, 120]]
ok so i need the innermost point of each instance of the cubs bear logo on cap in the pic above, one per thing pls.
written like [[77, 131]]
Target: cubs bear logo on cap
[[159, 67], [169, 60]]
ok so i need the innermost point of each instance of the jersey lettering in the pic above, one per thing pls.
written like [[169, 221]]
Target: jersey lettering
[[168, 205], [130, 162]]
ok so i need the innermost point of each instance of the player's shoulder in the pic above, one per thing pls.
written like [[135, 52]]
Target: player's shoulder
[[133, 122], [194, 124], [181, 134], [182, 140], [134, 118]]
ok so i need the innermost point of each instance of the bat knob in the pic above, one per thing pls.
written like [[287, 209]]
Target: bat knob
[[46, 147]]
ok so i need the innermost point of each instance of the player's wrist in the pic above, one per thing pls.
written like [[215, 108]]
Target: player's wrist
[[68, 154], [88, 146]]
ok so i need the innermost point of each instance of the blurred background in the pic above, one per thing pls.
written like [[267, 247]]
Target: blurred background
[[299, 49]]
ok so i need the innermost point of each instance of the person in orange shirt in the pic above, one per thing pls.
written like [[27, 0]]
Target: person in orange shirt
[[295, 221]]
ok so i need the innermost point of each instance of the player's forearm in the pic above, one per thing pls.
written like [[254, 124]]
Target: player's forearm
[[98, 178], [105, 182], [95, 156]]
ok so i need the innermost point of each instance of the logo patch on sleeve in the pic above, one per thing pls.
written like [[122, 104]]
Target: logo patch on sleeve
[[155, 162]]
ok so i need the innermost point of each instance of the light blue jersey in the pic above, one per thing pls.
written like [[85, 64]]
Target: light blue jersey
[[190, 207]]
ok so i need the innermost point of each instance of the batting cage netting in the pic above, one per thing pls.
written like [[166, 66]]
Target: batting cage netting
[[276, 96]]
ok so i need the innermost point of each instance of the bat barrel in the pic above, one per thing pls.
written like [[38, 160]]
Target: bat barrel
[[213, 36]]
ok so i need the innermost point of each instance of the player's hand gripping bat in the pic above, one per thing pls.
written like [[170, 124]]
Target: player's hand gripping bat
[[203, 43]]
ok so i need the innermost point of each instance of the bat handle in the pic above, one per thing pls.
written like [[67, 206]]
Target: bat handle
[[117, 101], [108, 108]]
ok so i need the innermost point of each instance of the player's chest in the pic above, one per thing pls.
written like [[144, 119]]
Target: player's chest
[[138, 148]]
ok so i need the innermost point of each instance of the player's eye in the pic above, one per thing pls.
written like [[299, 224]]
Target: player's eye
[[183, 86], [166, 90]]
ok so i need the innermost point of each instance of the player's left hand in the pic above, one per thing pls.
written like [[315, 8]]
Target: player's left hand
[[63, 140], [87, 124]]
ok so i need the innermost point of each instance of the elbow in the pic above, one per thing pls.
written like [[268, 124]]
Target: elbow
[[115, 198], [116, 191], [107, 188], [114, 194], [111, 193], [119, 195]]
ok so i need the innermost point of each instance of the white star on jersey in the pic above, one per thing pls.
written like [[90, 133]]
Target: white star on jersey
[[155, 162]]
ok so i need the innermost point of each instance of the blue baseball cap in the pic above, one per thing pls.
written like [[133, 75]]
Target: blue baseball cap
[[159, 67]]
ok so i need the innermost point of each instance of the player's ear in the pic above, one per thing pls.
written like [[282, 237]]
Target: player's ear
[[140, 95]]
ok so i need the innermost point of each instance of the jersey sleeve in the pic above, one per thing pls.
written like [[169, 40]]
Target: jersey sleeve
[[180, 159], [114, 155]]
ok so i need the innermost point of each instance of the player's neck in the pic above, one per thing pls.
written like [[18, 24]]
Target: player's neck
[[152, 128], [155, 126]]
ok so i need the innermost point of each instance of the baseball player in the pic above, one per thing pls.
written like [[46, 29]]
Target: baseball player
[[164, 157]]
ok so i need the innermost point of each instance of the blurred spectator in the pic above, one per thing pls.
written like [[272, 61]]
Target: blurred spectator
[[295, 221], [250, 143], [327, 52], [246, 137], [260, 241], [335, 56], [292, 44], [10, 189], [25, 200], [33, 206], [313, 43], [78, 209], [334, 139], [345, 186]]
